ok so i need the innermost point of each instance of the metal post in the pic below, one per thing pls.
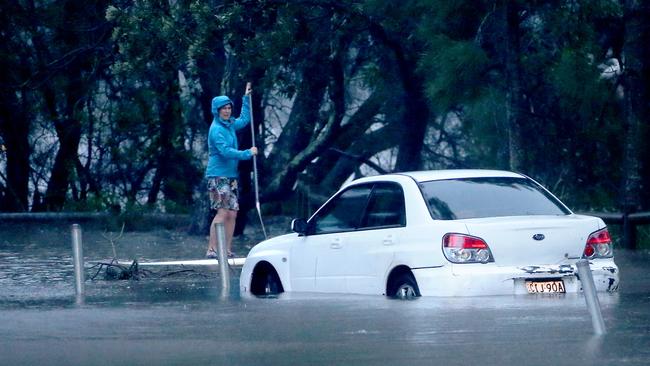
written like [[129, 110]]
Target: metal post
[[223, 257], [78, 260], [589, 289]]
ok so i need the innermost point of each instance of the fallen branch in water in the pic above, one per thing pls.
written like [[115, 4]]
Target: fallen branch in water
[[116, 271], [113, 270]]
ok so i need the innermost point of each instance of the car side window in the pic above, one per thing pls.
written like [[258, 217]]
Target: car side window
[[344, 212], [385, 207]]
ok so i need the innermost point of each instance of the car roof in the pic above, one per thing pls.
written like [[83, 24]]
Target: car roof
[[430, 175], [423, 176]]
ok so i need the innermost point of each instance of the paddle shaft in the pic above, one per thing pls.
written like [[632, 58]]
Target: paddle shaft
[[255, 181]]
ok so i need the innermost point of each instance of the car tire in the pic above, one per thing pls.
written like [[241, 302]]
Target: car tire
[[404, 287], [266, 282]]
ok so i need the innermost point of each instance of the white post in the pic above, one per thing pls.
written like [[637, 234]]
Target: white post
[[589, 289], [78, 260], [223, 258]]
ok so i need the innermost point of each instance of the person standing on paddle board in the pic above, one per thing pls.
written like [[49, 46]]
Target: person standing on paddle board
[[221, 173]]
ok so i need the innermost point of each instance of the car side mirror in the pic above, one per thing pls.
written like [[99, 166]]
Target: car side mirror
[[299, 226]]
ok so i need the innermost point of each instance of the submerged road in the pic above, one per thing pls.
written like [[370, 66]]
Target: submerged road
[[183, 319]]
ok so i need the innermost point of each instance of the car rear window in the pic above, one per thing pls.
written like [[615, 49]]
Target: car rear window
[[467, 198]]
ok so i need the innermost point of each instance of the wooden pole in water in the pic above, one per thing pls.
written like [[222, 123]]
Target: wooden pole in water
[[222, 253], [78, 260]]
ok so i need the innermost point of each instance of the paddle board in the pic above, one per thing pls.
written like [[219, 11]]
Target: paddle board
[[187, 262]]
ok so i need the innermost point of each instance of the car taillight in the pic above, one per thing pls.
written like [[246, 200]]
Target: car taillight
[[460, 248], [599, 245]]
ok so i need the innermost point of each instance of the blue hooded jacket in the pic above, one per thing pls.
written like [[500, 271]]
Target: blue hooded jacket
[[223, 152]]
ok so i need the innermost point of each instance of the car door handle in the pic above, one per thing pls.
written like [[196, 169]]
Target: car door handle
[[336, 244], [389, 240]]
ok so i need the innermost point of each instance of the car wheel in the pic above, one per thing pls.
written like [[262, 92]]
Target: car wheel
[[266, 282], [271, 284], [404, 287]]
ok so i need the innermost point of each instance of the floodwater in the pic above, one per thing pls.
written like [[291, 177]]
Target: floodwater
[[182, 318]]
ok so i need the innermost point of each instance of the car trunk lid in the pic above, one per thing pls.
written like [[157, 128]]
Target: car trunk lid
[[526, 240]]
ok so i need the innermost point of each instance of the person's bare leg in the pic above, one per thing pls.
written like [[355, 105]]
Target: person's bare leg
[[231, 219]]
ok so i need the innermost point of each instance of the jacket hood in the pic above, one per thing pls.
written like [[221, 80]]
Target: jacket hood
[[218, 102]]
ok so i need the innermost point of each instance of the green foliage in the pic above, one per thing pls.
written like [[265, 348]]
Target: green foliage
[[456, 71], [579, 88], [486, 127], [145, 126], [91, 204], [455, 19], [571, 121], [643, 237], [154, 41]]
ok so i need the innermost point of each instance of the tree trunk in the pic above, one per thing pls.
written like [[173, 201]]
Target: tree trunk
[[415, 115], [14, 127], [413, 129], [514, 92], [636, 53], [288, 157], [299, 130], [210, 72], [364, 147], [357, 125], [415, 112], [15, 105], [169, 163], [69, 133]]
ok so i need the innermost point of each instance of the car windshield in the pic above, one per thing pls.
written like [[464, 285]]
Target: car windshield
[[467, 198]]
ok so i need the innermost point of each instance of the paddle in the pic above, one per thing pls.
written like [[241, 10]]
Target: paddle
[[257, 193]]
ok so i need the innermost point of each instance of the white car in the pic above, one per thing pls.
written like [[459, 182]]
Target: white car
[[435, 233]]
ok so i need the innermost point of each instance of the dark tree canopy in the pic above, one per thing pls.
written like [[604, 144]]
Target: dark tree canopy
[[107, 104]]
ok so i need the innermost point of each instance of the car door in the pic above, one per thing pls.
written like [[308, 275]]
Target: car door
[[319, 259], [370, 249]]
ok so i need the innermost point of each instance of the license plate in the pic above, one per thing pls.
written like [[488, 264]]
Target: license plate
[[545, 287]]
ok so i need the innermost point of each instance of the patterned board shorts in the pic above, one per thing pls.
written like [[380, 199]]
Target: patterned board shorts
[[223, 193]]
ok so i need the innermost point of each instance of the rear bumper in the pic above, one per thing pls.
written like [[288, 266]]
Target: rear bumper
[[490, 279]]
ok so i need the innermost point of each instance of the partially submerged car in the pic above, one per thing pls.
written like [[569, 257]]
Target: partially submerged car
[[435, 233]]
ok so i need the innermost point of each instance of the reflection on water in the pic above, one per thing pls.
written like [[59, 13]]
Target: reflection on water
[[184, 319]]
